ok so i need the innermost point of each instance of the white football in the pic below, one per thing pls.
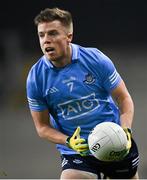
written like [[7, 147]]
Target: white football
[[108, 141]]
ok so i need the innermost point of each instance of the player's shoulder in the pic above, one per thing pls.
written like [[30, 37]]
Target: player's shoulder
[[87, 49], [93, 55], [36, 67], [36, 70]]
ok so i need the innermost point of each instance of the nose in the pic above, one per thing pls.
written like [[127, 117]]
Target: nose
[[47, 38]]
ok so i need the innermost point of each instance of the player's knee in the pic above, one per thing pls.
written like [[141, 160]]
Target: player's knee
[[77, 174]]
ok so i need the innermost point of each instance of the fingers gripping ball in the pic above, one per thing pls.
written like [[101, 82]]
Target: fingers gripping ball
[[77, 143], [128, 132]]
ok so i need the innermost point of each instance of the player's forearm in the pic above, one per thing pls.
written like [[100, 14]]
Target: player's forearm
[[52, 135], [127, 112]]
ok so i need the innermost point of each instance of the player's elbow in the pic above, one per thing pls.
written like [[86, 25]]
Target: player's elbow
[[41, 132]]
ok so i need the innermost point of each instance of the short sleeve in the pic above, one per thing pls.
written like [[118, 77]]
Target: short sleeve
[[110, 77], [35, 99]]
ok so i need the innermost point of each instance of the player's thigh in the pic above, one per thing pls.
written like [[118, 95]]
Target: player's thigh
[[77, 174], [136, 176]]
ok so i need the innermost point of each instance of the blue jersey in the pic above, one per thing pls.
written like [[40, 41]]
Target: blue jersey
[[77, 94]]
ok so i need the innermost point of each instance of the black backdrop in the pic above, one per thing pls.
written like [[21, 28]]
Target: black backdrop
[[96, 22]]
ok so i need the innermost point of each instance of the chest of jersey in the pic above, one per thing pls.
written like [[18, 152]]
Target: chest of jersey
[[73, 91]]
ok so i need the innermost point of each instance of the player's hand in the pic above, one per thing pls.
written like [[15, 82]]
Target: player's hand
[[85, 153], [129, 135], [76, 143]]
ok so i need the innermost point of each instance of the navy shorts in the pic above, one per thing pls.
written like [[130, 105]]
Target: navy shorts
[[124, 169]]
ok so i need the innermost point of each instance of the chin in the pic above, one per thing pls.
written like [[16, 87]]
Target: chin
[[51, 58]]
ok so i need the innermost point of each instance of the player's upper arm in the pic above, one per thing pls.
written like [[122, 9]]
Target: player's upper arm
[[120, 92], [41, 120], [110, 78]]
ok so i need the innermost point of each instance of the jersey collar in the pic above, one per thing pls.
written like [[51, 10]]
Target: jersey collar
[[75, 52]]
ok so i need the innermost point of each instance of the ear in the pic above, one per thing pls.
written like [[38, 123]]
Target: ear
[[69, 37]]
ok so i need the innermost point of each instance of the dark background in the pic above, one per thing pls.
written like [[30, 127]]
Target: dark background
[[116, 27]]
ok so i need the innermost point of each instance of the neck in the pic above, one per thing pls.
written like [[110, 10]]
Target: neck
[[64, 60]]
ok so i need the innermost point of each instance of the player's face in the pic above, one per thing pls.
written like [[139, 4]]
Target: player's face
[[54, 41]]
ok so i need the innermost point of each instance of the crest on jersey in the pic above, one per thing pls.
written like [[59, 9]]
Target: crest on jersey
[[89, 79]]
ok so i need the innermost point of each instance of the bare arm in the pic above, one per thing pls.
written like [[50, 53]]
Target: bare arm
[[44, 129], [125, 103]]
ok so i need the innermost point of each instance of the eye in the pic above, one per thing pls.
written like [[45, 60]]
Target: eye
[[53, 33], [40, 35]]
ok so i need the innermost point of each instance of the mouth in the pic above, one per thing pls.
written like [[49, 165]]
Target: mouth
[[49, 49]]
